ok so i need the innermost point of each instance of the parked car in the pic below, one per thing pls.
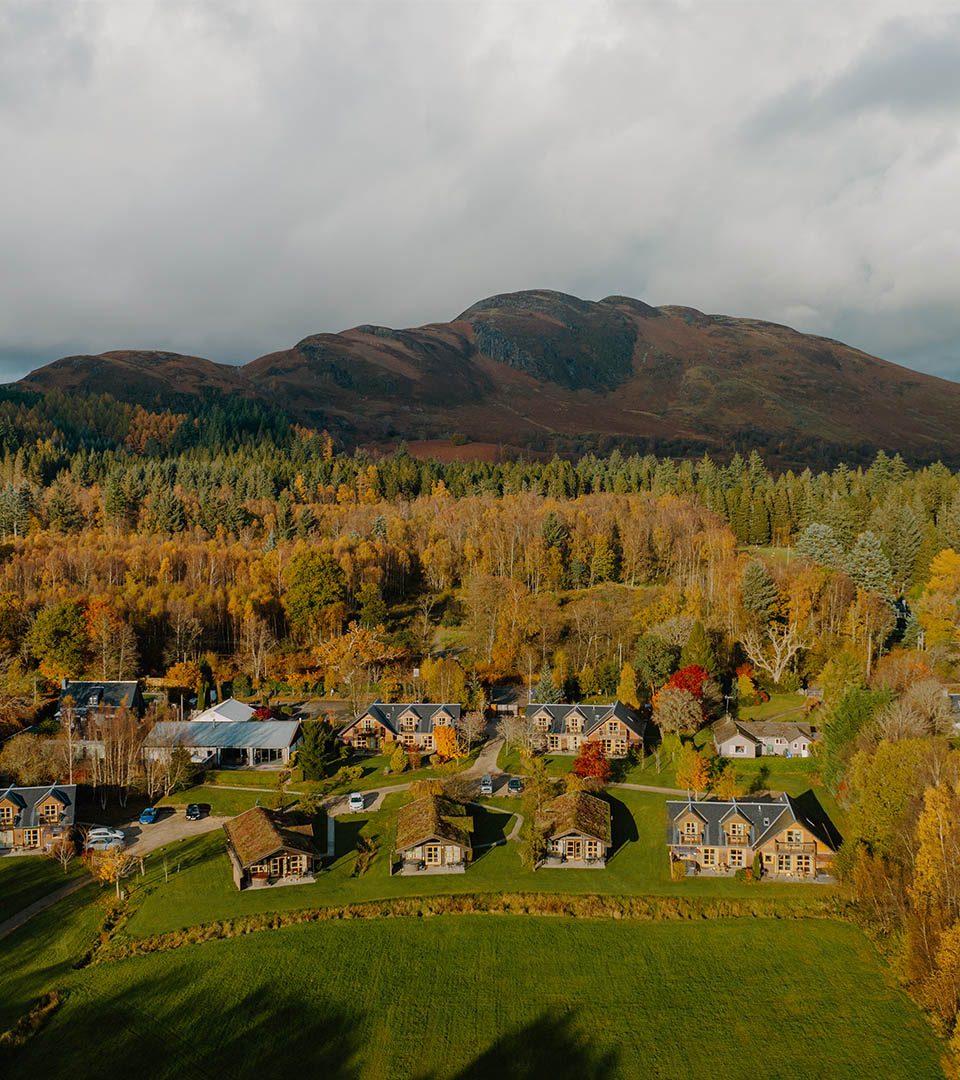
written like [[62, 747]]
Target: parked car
[[149, 816], [103, 843], [514, 785], [355, 801], [194, 812], [486, 785], [105, 832]]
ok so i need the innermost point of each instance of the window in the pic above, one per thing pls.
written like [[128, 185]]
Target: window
[[543, 722], [803, 864], [593, 849], [6, 815], [794, 836], [576, 741], [409, 723], [574, 724], [735, 857], [736, 830], [50, 813], [709, 856], [691, 829], [784, 863], [554, 742], [441, 721], [431, 854], [31, 837], [739, 749]]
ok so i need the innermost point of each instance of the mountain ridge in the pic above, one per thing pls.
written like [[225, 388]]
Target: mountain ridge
[[542, 370]]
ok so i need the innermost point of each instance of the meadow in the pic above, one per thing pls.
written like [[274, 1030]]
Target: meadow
[[189, 882], [468, 997], [26, 878]]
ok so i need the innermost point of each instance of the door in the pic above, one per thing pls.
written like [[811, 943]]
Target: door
[[574, 849], [431, 854]]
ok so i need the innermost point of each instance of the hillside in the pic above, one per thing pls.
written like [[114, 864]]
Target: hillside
[[545, 371]]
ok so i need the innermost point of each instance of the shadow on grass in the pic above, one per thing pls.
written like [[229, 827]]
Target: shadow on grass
[[623, 825], [549, 1046], [759, 781], [161, 1028]]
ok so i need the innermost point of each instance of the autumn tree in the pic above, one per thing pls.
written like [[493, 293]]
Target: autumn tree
[[592, 762], [627, 687], [447, 743], [693, 770], [677, 711], [58, 639]]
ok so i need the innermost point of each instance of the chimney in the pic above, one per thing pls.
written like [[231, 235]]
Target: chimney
[[63, 682]]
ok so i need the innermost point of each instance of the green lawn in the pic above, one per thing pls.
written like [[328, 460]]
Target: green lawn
[[40, 955], [222, 801], [472, 997], [26, 878], [792, 703], [203, 890]]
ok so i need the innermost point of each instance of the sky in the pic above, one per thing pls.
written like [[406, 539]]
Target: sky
[[223, 178]]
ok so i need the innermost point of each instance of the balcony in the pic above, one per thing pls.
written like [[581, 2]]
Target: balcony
[[738, 841], [795, 846]]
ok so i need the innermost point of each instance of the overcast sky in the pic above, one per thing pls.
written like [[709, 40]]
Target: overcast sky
[[224, 178]]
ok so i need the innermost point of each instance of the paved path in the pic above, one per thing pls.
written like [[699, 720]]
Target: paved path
[[16, 921], [486, 760], [655, 790], [145, 838]]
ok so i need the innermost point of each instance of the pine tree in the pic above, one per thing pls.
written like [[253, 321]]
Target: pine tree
[[819, 543], [759, 523], [699, 650], [758, 590], [867, 566], [545, 692]]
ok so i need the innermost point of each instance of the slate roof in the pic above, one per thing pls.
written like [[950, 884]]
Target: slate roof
[[592, 716], [577, 812], [433, 817], [766, 817], [389, 715], [258, 833], [95, 695], [231, 709], [29, 798], [240, 734], [757, 730]]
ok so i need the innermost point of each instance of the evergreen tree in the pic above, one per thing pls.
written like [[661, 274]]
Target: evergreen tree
[[903, 540], [866, 564], [819, 543], [63, 511], [758, 590], [654, 661], [545, 692], [759, 524], [373, 611], [699, 650]]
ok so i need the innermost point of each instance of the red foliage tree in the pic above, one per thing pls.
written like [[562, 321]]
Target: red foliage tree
[[592, 762], [690, 678]]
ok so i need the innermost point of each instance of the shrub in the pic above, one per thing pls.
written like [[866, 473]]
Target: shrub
[[398, 760], [678, 870], [740, 875]]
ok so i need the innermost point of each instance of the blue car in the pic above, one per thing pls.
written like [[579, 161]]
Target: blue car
[[149, 816]]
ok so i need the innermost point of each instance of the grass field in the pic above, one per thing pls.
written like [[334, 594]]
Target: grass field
[[26, 878], [203, 891], [472, 997]]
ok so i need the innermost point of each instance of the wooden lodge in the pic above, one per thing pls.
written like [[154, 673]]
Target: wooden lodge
[[267, 849], [577, 831], [433, 836]]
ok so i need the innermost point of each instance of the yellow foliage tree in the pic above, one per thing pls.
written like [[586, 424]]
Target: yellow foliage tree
[[693, 771], [448, 745]]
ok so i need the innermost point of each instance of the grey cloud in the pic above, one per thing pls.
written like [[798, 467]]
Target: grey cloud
[[905, 68], [224, 178]]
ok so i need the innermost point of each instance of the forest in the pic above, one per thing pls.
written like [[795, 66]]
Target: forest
[[231, 552]]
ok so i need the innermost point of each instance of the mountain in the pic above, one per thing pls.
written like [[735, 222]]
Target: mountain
[[547, 372]]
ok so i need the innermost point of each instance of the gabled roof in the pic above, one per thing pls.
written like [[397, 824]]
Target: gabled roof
[[258, 833], [389, 713], [767, 817], [577, 812], [592, 715], [94, 695], [231, 709], [28, 799], [755, 731], [433, 817], [241, 734]]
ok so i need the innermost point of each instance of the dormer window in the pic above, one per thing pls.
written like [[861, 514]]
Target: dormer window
[[794, 836], [543, 722], [408, 723], [736, 829], [574, 724], [691, 828], [6, 815], [441, 721], [50, 813]]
